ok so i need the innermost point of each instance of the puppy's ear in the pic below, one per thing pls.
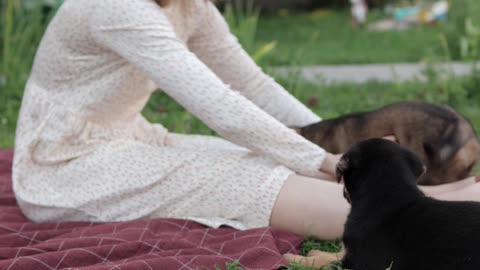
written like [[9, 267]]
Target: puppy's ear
[[347, 163], [415, 164], [341, 168]]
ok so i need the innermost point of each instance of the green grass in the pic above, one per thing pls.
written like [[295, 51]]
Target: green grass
[[314, 244], [20, 33], [7, 137], [310, 39]]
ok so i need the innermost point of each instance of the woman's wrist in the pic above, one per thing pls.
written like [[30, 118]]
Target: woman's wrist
[[330, 163]]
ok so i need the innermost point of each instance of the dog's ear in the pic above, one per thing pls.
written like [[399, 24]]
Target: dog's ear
[[446, 147]]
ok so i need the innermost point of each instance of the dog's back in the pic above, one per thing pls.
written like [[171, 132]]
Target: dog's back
[[438, 235], [443, 139], [430, 234]]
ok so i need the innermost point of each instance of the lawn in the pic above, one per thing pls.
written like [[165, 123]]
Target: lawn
[[328, 38], [330, 101]]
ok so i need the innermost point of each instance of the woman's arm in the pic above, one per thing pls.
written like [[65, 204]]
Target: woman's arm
[[220, 50], [139, 32]]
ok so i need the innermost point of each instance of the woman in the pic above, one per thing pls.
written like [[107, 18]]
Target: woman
[[84, 151]]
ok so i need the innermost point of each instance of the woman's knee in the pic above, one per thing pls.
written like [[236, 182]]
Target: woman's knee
[[310, 206]]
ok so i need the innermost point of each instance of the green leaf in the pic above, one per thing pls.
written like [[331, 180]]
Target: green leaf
[[264, 50]]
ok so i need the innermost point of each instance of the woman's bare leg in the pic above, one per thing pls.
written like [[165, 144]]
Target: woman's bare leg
[[314, 207], [310, 207]]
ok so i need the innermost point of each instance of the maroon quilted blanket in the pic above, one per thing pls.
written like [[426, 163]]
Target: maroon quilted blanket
[[143, 244]]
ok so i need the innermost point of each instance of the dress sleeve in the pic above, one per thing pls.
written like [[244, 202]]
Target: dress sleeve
[[140, 33], [214, 44]]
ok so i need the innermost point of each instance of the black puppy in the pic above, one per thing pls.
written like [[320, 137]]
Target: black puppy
[[392, 223]]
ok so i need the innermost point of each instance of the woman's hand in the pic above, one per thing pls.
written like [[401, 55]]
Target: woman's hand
[[329, 166]]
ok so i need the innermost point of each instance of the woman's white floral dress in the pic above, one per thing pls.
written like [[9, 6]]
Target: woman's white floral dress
[[85, 152]]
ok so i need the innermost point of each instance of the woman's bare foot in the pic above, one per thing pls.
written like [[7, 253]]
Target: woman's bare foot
[[314, 259], [468, 193], [436, 190]]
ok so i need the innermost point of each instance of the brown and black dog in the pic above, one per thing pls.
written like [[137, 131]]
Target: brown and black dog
[[444, 140]]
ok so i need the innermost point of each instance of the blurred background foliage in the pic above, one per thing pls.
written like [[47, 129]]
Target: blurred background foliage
[[286, 33]]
